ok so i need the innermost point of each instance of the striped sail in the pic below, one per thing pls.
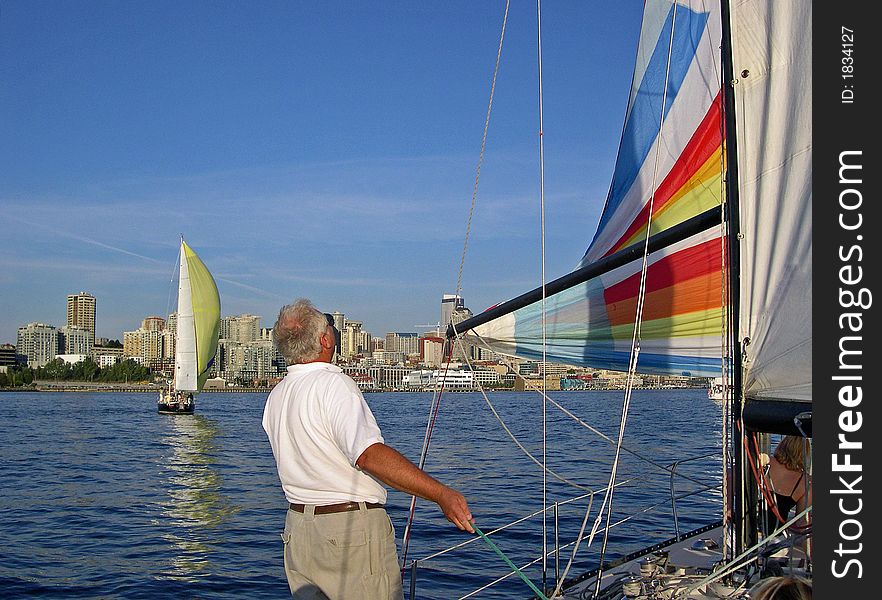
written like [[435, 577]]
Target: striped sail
[[198, 322], [669, 168]]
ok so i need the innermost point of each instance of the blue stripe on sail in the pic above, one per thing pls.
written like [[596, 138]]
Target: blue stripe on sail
[[642, 126], [615, 360]]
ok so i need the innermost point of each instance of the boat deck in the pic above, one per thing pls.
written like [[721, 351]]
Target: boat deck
[[675, 571]]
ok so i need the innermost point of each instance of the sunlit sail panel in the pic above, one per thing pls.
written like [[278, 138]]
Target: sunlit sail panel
[[198, 325], [774, 113], [668, 170]]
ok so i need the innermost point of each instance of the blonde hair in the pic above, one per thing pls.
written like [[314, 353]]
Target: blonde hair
[[790, 452], [297, 331], [782, 588]]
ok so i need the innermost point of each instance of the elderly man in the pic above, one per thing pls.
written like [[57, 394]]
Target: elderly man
[[332, 462]]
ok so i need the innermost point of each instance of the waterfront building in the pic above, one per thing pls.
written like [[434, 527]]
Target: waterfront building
[[453, 379], [431, 350], [8, 356], [450, 303], [106, 357], [37, 343], [81, 312], [418, 380], [486, 377], [153, 324], [243, 328], [144, 344], [350, 336], [74, 340]]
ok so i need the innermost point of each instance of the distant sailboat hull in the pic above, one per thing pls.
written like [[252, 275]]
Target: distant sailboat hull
[[171, 406]]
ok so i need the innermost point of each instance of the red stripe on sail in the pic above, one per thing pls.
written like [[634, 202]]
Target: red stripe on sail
[[689, 263], [704, 142]]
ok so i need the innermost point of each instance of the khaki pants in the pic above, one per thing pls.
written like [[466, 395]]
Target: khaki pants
[[341, 556]]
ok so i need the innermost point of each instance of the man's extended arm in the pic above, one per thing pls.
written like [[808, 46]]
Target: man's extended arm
[[392, 468]]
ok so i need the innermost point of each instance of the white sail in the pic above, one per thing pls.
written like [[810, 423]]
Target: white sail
[[185, 344], [198, 322], [772, 59]]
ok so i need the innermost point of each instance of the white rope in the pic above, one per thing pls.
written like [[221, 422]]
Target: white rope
[[638, 322], [544, 294], [481, 154], [509, 432]]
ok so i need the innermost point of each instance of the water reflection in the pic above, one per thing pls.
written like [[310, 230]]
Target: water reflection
[[196, 508]]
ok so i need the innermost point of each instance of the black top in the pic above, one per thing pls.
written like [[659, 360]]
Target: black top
[[784, 504]]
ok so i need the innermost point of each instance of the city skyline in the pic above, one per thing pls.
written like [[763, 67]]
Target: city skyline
[[419, 329], [327, 152]]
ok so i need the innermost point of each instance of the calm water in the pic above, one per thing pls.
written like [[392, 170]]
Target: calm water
[[101, 497]]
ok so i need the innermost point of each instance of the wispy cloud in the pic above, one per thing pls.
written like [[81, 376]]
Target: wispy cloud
[[82, 238]]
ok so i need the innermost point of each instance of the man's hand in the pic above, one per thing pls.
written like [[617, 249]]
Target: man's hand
[[456, 509]]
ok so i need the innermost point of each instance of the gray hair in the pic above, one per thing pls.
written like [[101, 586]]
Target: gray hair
[[782, 588], [297, 331]]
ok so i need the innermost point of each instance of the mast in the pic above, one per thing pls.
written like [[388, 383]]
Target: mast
[[743, 496]]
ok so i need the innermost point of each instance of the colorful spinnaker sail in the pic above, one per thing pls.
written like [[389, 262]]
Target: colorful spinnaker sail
[[198, 322], [668, 170]]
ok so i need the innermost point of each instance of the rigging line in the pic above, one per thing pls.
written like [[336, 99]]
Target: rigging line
[[587, 426], [481, 154], [576, 544], [544, 295], [638, 318], [515, 439], [725, 337], [515, 522], [430, 427]]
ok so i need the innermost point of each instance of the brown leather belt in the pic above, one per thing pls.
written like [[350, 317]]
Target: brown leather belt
[[327, 509]]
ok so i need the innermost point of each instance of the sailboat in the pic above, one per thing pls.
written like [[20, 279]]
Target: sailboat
[[700, 265], [716, 391], [196, 333]]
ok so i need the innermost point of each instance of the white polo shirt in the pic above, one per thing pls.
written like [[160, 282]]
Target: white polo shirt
[[318, 424]]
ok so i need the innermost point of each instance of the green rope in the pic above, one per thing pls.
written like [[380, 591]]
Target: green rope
[[539, 594]]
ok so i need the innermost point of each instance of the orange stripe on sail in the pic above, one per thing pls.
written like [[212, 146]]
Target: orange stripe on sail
[[695, 295]]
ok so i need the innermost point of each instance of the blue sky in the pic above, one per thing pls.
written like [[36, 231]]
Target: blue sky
[[317, 149]]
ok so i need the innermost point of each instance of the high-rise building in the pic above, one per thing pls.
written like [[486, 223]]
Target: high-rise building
[[450, 303], [153, 324], [242, 328], [74, 340], [339, 320], [404, 342], [37, 343], [350, 338], [81, 312]]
